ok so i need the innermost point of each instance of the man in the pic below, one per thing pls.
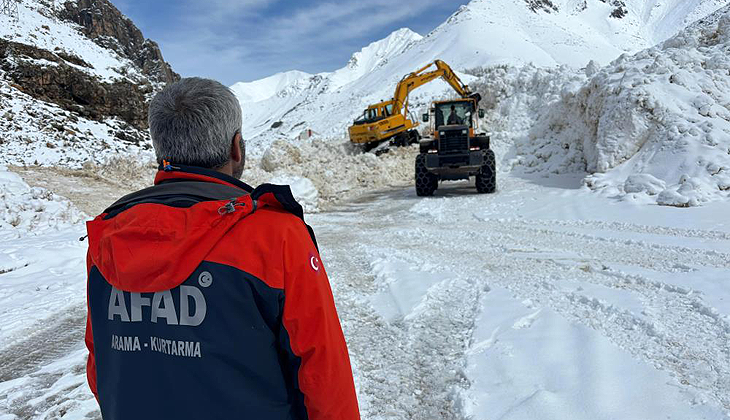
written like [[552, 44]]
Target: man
[[453, 118], [207, 298]]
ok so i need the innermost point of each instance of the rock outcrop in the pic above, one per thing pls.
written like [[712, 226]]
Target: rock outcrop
[[109, 28]]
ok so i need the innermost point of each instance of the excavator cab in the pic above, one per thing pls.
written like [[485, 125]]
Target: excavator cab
[[375, 113], [383, 121]]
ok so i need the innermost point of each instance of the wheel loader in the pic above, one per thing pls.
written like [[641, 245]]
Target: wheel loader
[[455, 150]]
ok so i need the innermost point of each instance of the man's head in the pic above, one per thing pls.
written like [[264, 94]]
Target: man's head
[[197, 122], [453, 108]]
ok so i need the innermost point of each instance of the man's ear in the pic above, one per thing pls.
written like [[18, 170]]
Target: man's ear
[[237, 148]]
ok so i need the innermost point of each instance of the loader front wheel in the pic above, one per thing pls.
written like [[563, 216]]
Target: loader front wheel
[[426, 182], [486, 179]]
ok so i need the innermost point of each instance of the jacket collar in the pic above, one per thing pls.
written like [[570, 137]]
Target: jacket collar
[[171, 173]]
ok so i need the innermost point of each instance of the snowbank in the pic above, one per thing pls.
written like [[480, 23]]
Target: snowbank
[[324, 172], [516, 97], [32, 210], [656, 123]]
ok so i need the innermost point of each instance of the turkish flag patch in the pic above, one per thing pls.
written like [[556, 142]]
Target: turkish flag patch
[[314, 262]]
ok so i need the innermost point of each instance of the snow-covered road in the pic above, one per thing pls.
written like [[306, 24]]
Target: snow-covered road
[[541, 301]]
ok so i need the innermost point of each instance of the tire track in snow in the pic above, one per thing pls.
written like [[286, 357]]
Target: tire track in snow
[[55, 339], [633, 252], [379, 350], [622, 227], [31, 391], [440, 337], [407, 369], [677, 332]]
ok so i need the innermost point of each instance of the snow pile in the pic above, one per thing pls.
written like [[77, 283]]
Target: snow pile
[[303, 190], [656, 123], [514, 98], [322, 173], [32, 210]]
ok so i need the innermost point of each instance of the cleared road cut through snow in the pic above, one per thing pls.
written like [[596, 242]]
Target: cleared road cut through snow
[[543, 301]]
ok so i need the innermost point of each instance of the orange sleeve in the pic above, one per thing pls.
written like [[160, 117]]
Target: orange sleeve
[[315, 335], [89, 339]]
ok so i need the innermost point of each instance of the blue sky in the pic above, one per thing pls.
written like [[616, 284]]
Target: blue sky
[[245, 40]]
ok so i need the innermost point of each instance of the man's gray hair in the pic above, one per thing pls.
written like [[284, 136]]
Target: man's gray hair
[[193, 122]]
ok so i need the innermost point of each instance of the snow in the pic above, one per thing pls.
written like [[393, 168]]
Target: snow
[[324, 173], [302, 188], [26, 209], [41, 255], [402, 288], [374, 56], [543, 300], [259, 90], [574, 364], [579, 290]]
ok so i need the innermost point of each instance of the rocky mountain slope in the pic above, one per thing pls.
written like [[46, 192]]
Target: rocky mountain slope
[[75, 79]]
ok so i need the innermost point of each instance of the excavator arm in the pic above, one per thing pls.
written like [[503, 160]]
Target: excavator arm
[[420, 77], [388, 119]]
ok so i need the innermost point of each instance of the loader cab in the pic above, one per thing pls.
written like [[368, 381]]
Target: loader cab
[[461, 112]]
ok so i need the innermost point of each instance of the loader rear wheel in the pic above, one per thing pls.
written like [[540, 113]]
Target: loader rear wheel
[[486, 179], [426, 182], [366, 147], [400, 140], [406, 138], [413, 137]]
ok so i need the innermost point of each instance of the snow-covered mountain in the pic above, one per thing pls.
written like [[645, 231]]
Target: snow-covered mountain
[[484, 32], [362, 62], [266, 88], [283, 105]]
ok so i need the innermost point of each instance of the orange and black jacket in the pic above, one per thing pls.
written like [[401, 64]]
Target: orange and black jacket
[[208, 300]]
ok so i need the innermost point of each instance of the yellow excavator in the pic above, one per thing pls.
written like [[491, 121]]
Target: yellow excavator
[[388, 120]]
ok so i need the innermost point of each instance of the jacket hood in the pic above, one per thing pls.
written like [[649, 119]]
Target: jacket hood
[[144, 244]]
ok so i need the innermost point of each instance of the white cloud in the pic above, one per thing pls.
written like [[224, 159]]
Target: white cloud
[[241, 40]]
